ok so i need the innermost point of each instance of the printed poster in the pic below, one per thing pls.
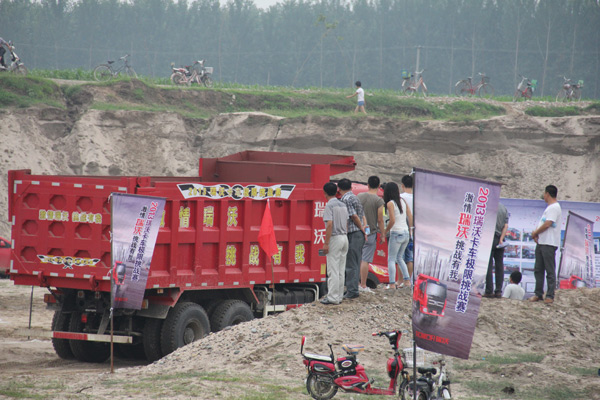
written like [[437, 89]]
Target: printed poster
[[576, 268], [455, 218], [524, 216], [135, 223]]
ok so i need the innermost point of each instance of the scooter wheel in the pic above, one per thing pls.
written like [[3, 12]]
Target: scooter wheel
[[321, 387]]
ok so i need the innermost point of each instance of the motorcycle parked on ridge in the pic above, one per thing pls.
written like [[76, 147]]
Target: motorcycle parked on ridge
[[16, 66], [196, 73], [326, 374]]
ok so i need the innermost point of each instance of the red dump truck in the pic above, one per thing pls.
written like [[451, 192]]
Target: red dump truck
[[207, 271]]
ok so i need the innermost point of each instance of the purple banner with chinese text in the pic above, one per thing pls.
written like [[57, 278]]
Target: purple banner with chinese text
[[135, 223], [455, 218]]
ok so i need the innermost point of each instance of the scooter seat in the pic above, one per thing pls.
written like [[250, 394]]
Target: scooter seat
[[353, 349], [318, 357], [431, 370]]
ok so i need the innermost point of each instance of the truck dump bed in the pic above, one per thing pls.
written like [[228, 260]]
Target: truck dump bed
[[208, 239]]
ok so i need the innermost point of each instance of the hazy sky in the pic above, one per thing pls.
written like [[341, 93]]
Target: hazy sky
[[264, 3]]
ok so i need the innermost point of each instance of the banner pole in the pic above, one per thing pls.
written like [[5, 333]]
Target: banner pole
[[112, 359], [414, 239], [562, 252], [273, 282], [414, 368], [112, 283]]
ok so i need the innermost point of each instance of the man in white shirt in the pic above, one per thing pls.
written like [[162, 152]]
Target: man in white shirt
[[360, 93], [547, 237]]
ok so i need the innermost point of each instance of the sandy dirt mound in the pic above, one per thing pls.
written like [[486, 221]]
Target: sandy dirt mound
[[520, 345]]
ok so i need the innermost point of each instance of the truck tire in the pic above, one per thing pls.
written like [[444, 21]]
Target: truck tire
[[60, 322], [94, 352], [372, 281], [151, 339], [185, 323], [135, 350], [229, 313]]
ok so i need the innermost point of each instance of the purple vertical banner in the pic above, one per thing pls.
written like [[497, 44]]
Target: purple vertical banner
[[135, 223], [577, 259], [455, 218]]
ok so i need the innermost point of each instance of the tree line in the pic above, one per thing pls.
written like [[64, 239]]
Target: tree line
[[322, 43]]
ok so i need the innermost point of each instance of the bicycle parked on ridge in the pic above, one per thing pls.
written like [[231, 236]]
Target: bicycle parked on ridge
[[433, 384], [525, 88], [570, 91], [105, 72], [465, 87], [411, 85]]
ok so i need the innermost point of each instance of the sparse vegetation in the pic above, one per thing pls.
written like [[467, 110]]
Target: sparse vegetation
[[538, 111], [22, 92], [145, 95]]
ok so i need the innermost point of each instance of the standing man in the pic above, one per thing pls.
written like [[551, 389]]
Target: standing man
[[360, 93], [497, 255], [373, 208], [3, 43], [547, 237], [356, 237], [335, 217], [406, 185]]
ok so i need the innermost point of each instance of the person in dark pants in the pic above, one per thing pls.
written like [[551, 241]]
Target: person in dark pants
[[496, 264], [356, 237], [4, 43], [547, 237]]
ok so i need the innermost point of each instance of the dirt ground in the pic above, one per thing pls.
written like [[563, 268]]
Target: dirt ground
[[539, 351]]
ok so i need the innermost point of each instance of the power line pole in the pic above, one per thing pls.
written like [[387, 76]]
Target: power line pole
[[418, 58]]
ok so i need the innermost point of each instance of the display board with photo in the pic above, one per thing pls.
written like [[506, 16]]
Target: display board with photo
[[524, 217]]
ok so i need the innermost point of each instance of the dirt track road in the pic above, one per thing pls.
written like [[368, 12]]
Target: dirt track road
[[22, 357]]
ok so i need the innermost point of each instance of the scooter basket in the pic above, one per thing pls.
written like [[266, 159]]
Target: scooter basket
[[424, 358]]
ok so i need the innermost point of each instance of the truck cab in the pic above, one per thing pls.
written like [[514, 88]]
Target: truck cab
[[429, 296]]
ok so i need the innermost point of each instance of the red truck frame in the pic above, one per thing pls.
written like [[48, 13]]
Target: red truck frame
[[207, 271]]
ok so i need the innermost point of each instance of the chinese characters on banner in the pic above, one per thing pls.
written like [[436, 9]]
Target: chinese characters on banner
[[236, 192], [454, 220], [135, 223], [577, 261]]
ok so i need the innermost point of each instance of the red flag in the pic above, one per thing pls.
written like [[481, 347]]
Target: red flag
[[266, 234]]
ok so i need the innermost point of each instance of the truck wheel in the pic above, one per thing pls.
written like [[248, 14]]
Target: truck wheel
[[151, 339], [372, 280], [131, 351], [229, 313], [95, 352], [60, 322], [185, 323]]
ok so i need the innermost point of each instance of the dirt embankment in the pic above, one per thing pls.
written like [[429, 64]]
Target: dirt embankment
[[525, 153]]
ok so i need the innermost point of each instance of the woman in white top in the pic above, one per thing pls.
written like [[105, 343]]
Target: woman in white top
[[400, 221]]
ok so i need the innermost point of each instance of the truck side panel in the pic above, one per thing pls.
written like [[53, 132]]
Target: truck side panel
[[61, 227]]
